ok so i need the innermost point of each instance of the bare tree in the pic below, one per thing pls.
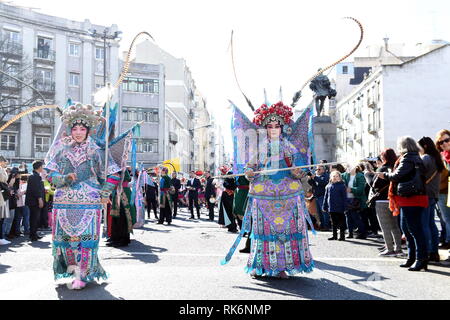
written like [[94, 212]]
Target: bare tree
[[16, 73]]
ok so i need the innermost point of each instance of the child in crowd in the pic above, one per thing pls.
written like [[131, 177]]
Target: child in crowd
[[334, 203]]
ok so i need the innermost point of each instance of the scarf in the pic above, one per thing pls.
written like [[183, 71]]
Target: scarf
[[393, 205], [446, 156]]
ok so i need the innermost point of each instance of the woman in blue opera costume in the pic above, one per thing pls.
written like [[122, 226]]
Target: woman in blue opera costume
[[76, 167], [276, 204]]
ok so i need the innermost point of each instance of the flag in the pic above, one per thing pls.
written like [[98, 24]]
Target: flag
[[172, 164]]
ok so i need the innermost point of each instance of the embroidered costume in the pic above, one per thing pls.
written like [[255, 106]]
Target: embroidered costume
[[123, 214], [77, 207], [276, 204]]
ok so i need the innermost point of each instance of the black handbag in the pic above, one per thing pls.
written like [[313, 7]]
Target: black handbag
[[413, 187]]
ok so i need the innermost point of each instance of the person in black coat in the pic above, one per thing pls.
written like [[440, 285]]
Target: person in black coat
[[151, 195], [13, 182], [193, 185], [35, 196], [226, 201], [210, 192], [334, 202], [176, 183], [318, 183], [409, 195]]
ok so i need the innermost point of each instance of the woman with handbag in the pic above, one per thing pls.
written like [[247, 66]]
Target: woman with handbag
[[407, 195], [355, 183], [443, 146], [378, 196], [433, 168], [4, 210]]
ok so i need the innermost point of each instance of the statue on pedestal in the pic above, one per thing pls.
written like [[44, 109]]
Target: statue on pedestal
[[322, 89]]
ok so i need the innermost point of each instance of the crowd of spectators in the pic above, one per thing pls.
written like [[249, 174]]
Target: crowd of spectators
[[25, 202], [396, 197]]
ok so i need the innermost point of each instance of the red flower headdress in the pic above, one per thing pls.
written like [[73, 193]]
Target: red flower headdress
[[224, 169], [276, 112]]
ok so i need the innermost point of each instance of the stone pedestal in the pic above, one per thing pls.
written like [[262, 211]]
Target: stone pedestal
[[324, 138]]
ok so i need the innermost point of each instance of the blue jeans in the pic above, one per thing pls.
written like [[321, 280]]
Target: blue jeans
[[411, 221], [26, 219], [324, 216], [430, 229], [8, 223], [445, 211], [354, 221]]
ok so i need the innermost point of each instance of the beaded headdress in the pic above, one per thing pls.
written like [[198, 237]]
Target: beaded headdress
[[277, 112], [81, 114]]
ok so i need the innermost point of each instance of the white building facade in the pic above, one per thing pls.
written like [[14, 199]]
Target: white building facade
[[394, 100], [142, 99], [65, 62]]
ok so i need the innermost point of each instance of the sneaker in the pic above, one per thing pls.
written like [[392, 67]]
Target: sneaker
[[400, 253], [388, 254], [4, 242]]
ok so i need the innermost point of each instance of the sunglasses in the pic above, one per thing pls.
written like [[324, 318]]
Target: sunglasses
[[444, 141]]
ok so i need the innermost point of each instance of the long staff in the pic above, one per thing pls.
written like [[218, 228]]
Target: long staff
[[276, 170]]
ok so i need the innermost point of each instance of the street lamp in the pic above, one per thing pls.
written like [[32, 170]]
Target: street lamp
[[104, 35]]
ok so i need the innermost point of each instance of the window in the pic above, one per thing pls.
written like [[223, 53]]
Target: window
[[147, 145], [141, 85], [345, 69], [140, 114], [12, 36], [41, 143], [44, 76], [44, 45], [8, 142], [74, 50], [74, 80], [13, 107], [99, 53]]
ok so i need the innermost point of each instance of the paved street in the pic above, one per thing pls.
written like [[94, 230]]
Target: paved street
[[181, 261]]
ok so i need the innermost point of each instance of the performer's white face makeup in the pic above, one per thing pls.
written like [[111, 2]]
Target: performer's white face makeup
[[273, 130], [79, 133]]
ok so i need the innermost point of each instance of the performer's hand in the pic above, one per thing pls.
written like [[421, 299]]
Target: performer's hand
[[250, 173], [41, 203], [106, 201], [72, 176], [297, 173]]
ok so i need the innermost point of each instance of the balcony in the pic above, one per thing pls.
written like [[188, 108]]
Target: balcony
[[173, 137], [371, 104], [44, 117], [44, 55], [357, 113], [349, 142], [357, 137], [371, 129], [45, 86], [10, 48], [11, 86], [348, 119]]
